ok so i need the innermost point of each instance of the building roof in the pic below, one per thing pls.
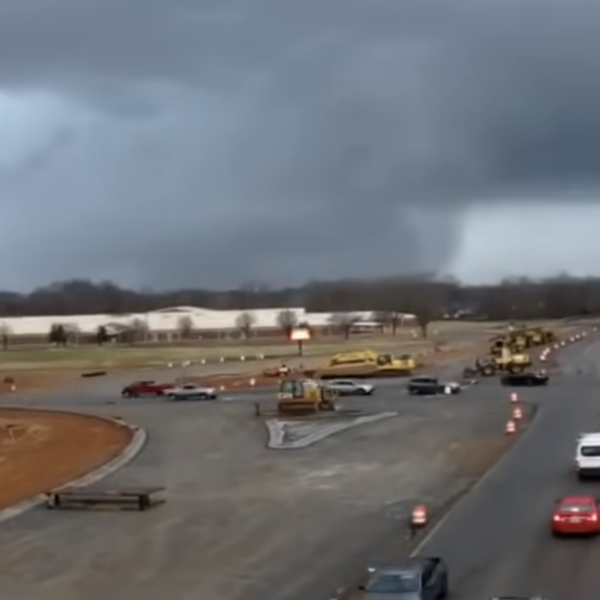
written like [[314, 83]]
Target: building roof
[[165, 320]]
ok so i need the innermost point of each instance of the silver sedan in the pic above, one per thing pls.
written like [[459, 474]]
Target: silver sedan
[[347, 387]]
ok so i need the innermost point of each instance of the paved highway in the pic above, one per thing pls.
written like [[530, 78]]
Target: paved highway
[[497, 539]]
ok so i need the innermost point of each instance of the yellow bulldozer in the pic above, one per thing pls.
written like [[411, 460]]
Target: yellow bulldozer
[[304, 396], [366, 363], [543, 335], [488, 366], [520, 339], [513, 342], [536, 336]]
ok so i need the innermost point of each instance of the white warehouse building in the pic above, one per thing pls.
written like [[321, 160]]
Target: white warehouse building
[[167, 320]]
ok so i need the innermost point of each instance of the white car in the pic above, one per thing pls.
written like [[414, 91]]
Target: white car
[[190, 391], [347, 387], [587, 456]]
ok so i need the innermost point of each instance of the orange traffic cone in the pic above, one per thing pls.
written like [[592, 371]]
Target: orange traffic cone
[[511, 427], [517, 413], [514, 397], [419, 516]]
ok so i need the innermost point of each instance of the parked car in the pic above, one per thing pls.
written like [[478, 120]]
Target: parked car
[[431, 386], [347, 387], [145, 388]]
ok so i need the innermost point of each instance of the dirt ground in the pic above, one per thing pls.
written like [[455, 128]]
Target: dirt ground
[[38, 380], [42, 450]]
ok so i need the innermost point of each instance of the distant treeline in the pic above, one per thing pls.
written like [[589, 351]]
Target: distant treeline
[[429, 299]]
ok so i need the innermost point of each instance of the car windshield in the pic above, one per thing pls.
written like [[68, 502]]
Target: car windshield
[[424, 380], [572, 507], [393, 583], [590, 451]]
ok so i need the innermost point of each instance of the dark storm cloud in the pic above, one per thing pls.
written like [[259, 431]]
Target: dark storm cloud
[[285, 140]]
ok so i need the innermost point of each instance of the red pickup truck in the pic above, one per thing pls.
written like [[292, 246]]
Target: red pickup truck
[[145, 388]]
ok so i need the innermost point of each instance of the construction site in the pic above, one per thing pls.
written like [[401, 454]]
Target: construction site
[[257, 483]]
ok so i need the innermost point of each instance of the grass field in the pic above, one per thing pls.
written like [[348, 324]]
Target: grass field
[[95, 357], [92, 357]]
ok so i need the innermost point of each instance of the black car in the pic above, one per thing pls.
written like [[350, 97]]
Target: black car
[[430, 386], [418, 578], [525, 379]]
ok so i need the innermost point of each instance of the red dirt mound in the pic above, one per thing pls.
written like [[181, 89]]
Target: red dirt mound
[[42, 450]]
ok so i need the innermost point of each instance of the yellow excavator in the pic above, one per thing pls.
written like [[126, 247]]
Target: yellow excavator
[[304, 396]]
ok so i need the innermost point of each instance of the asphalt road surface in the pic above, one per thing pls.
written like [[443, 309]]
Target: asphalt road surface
[[497, 539], [243, 522]]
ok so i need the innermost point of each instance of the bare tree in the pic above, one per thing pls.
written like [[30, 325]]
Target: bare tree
[[423, 299], [5, 333], [343, 323], [185, 327], [73, 333], [137, 331], [287, 320], [245, 321], [102, 335], [58, 335], [389, 319]]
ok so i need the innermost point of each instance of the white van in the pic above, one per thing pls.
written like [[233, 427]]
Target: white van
[[587, 459]]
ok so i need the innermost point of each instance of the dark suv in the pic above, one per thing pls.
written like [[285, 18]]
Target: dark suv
[[430, 386]]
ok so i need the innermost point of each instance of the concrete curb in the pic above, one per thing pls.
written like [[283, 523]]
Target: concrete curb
[[276, 433], [140, 437]]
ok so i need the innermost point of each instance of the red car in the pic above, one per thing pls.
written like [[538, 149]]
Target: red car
[[576, 515], [145, 388]]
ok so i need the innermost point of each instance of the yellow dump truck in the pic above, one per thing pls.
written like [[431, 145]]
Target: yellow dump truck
[[366, 363]]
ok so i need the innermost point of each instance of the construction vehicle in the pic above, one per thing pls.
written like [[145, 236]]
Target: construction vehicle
[[507, 362], [519, 339], [545, 335], [533, 336], [304, 396], [513, 342], [366, 363]]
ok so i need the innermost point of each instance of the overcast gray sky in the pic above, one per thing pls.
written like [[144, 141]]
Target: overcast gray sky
[[208, 143]]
